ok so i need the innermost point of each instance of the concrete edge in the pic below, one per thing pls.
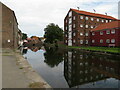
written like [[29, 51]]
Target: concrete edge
[[29, 72]]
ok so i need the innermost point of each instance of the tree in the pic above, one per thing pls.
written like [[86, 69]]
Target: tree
[[52, 33], [24, 36]]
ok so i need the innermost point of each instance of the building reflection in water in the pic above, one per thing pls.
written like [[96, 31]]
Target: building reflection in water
[[81, 68]]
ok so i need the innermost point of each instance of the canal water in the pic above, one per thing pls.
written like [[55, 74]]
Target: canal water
[[74, 68]]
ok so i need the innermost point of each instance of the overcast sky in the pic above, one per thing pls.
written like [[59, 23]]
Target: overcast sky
[[34, 15]]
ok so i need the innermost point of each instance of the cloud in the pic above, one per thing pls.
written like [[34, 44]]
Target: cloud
[[34, 15]]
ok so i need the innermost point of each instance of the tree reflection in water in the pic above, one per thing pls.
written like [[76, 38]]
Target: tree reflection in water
[[53, 56]]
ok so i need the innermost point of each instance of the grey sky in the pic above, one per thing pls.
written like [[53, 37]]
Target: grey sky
[[34, 15]]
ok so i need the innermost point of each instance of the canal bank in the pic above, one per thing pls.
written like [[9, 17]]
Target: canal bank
[[99, 50], [18, 73]]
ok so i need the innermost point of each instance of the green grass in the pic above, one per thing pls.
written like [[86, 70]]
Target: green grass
[[103, 49]]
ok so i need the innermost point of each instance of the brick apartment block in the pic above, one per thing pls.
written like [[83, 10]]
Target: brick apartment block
[[77, 26], [9, 27], [107, 34]]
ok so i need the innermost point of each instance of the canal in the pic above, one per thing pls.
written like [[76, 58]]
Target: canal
[[74, 68]]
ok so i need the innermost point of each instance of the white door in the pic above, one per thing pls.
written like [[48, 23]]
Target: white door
[[69, 42]]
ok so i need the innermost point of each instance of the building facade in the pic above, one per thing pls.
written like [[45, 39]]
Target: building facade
[[77, 26], [106, 34], [9, 28]]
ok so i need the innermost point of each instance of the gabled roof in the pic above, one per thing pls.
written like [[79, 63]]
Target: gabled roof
[[93, 14], [113, 24]]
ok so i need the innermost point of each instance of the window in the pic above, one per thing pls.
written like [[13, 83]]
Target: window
[[86, 26], [92, 19], [101, 32], [70, 27], [81, 25], [73, 34], [81, 34], [81, 17], [112, 40], [108, 41], [86, 41], [70, 20], [101, 41], [66, 35], [66, 21], [86, 18], [93, 41], [113, 31], [74, 18], [110, 20], [86, 34], [93, 33], [108, 32], [73, 41], [66, 41], [81, 41], [102, 20], [66, 27], [70, 13], [73, 25], [97, 20], [106, 21], [91, 26]]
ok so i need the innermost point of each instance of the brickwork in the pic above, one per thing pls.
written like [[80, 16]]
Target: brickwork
[[81, 26], [9, 28]]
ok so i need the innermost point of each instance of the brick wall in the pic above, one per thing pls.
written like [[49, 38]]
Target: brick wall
[[9, 28]]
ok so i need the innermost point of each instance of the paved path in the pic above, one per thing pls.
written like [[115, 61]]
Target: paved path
[[18, 73], [12, 75]]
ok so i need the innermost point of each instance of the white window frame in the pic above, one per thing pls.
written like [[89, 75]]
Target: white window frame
[[98, 19], [112, 40], [101, 40], [86, 41], [101, 32], [102, 20], [92, 19], [86, 18], [81, 41], [86, 34], [73, 25], [81, 25], [113, 31], [81, 34], [74, 41], [93, 41], [108, 32], [81, 17], [107, 40], [91, 26], [74, 18], [86, 26], [93, 33], [74, 34], [106, 21]]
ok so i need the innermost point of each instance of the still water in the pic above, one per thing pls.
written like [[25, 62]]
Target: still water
[[74, 69]]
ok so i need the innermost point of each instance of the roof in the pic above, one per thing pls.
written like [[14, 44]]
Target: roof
[[93, 14], [113, 24]]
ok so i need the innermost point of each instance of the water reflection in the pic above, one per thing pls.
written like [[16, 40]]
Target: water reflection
[[53, 56], [82, 68]]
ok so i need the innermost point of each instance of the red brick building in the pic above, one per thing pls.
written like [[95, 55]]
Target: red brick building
[[77, 26], [107, 34], [9, 27]]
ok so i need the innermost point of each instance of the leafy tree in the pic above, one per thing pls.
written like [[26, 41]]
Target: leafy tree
[[24, 36], [52, 33]]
